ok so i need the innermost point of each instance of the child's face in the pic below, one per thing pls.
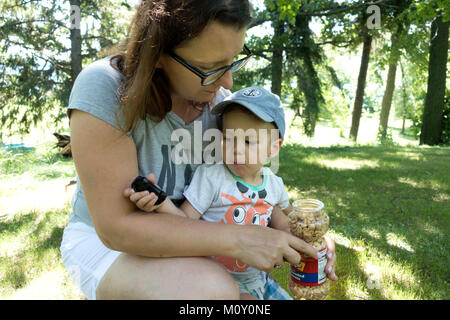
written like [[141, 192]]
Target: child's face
[[247, 142]]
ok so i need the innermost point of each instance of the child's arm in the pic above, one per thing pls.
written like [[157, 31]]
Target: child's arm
[[169, 207], [280, 220], [189, 210], [144, 201]]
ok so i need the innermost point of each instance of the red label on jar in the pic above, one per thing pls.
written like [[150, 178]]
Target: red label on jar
[[310, 272]]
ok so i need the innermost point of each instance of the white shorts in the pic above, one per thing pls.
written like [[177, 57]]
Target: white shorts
[[85, 256]]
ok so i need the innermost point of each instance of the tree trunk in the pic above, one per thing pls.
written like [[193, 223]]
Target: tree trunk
[[437, 68], [387, 99], [277, 58], [75, 51], [390, 87], [405, 107], [359, 98]]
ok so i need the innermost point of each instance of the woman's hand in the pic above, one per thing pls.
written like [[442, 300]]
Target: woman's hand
[[144, 200], [266, 248], [331, 257]]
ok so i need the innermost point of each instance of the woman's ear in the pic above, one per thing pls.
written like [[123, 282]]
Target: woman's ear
[[158, 64]]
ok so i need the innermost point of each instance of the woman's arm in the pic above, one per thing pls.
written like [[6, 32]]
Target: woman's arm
[[106, 164]]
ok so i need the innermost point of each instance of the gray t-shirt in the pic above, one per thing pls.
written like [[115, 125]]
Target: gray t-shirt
[[95, 91], [220, 196]]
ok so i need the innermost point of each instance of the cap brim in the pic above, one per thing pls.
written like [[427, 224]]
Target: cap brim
[[220, 108]]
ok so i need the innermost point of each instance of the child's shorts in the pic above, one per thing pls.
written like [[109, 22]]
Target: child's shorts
[[85, 256], [261, 285]]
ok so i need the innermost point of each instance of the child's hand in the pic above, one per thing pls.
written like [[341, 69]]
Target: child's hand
[[144, 200]]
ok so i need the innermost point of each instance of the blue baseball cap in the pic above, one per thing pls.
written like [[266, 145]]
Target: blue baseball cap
[[264, 104]]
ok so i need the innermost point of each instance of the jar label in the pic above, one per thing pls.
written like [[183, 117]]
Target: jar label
[[310, 272]]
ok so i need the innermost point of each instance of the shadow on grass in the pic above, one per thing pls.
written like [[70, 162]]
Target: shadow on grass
[[403, 199], [40, 248], [15, 226]]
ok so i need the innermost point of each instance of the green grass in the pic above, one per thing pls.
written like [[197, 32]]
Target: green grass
[[388, 206], [33, 213], [389, 215], [42, 164]]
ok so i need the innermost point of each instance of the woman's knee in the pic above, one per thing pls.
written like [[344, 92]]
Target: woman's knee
[[167, 278], [218, 284]]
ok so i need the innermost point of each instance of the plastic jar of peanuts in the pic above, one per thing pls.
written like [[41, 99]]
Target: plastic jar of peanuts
[[308, 221]]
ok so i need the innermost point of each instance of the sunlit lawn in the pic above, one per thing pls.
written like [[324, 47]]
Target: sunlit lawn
[[33, 213], [389, 215]]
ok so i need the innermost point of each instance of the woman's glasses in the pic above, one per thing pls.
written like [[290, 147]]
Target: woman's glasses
[[212, 76]]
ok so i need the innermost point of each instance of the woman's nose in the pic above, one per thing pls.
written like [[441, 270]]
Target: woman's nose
[[226, 81]]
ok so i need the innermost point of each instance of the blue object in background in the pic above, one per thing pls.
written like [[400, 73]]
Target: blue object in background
[[17, 147]]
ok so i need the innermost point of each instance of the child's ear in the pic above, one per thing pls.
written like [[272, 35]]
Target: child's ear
[[275, 147]]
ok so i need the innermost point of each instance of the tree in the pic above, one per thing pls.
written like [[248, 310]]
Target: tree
[[359, 98], [308, 55], [304, 54], [277, 51], [293, 39], [397, 21], [75, 40], [403, 97], [390, 86], [39, 64], [434, 101], [348, 27]]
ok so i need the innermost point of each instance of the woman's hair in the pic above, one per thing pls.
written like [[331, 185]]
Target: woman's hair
[[158, 27]]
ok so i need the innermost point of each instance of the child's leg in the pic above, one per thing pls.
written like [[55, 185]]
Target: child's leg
[[273, 291]]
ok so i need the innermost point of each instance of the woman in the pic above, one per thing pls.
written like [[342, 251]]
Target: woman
[[178, 63]]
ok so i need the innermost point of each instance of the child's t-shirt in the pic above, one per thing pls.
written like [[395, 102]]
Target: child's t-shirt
[[220, 196]]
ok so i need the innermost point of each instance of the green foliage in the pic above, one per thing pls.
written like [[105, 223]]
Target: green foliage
[[254, 77], [337, 96], [35, 55], [287, 8], [385, 139], [426, 10], [35, 69], [257, 71], [445, 137]]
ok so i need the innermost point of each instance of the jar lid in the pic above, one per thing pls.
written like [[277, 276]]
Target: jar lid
[[311, 205]]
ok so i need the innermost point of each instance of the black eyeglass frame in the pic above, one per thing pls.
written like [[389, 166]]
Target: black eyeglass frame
[[204, 75]]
